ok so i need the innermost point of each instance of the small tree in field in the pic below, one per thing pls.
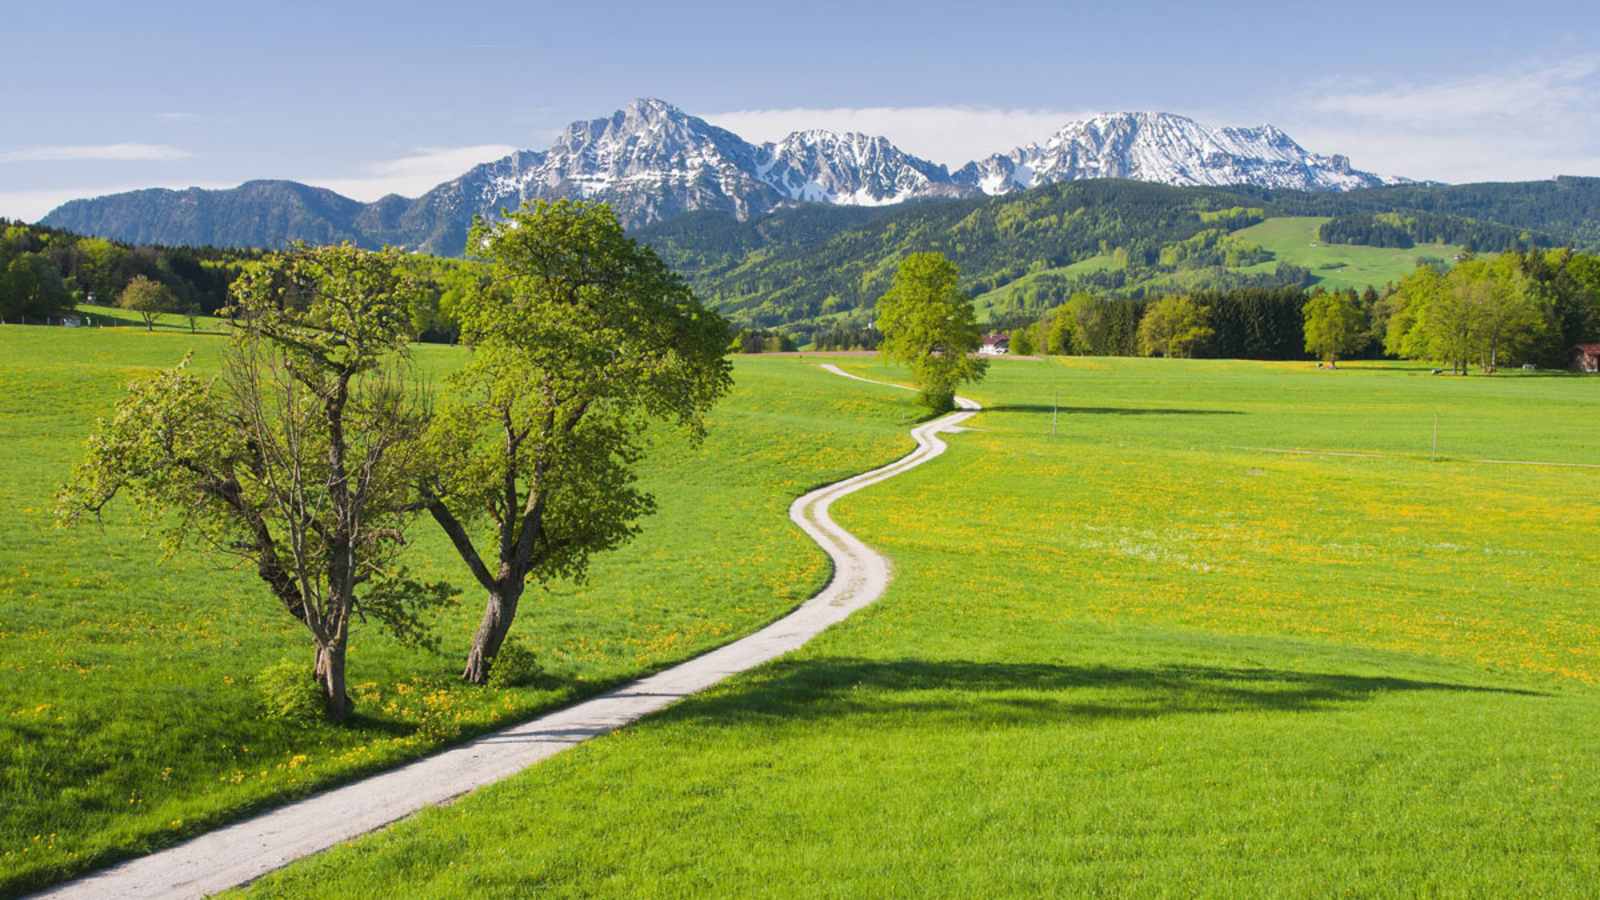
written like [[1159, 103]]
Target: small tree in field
[[580, 338], [1172, 327], [148, 298], [929, 325], [299, 458], [1334, 326]]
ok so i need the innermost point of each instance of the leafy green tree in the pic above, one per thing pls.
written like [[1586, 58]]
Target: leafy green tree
[[1335, 326], [1515, 314], [1172, 327], [929, 325], [1483, 310], [1022, 341], [148, 298], [580, 338], [31, 288], [299, 459]]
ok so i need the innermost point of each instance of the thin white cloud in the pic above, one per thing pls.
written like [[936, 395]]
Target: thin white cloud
[[1530, 122], [95, 153], [177, 116], [952, 135], [413, 175], [1497, 96]]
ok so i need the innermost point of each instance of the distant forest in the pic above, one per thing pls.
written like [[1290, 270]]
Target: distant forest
[[813, 270], [45, 272]]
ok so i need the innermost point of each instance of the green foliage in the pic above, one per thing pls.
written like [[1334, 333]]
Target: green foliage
[[1484, 310], [928, 325], [147, 298], [97, 271], [299, 459], [760, 341], [1022, 343], [31, 289], [1334, 325], [1172, 327], [1413, 228], [514, 666], [289, 693], [581, 338]]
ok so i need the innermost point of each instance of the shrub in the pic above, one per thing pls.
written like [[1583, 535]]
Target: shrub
[[514, 666], [289, 693]]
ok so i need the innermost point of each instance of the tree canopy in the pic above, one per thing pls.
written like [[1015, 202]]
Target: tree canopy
[[299, 458], [929, 325], [1172, 327], [1334, 326], [580, 338]]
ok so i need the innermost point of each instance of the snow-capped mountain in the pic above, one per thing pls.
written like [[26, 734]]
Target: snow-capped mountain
[[652, 161], [854, 169], [1169, 149]]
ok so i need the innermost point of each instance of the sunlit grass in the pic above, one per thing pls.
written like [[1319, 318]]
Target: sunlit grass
[[1129, 658], [127, 713]]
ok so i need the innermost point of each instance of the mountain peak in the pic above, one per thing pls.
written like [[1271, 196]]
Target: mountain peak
[[1167, 148], [651, 161]]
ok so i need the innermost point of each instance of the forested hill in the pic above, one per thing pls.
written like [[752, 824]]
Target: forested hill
[[808, 267]]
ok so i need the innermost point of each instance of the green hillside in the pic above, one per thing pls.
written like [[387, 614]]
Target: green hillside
[[810, 268], [1294, 240], [1151, 653]]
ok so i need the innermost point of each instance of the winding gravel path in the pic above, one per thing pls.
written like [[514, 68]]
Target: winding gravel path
[[247, 850]]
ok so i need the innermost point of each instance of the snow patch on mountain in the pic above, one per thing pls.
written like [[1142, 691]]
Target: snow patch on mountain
[[1169, 149]]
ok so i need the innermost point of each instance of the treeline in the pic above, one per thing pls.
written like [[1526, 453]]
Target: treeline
[[799, 265], [1247, 323], [1566, 208], [45, 272], [1405, 231], [758, 341], [1491, 311]]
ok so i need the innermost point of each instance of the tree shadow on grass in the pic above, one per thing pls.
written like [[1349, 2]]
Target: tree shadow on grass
[[1029, 693], [1109, 410]]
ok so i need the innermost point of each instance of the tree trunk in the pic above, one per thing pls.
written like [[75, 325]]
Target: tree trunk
[[498, 612], [330, 674]]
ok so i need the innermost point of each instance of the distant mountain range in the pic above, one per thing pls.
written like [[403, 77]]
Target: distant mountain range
[[652, 162]]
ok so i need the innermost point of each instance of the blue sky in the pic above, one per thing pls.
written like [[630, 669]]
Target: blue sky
[[368, 98]]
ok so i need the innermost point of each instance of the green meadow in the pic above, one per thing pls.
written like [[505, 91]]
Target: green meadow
[[1294, 240], [1156, 628], [128, 718]]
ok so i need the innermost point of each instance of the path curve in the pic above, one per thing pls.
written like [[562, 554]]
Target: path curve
[[246, 850]]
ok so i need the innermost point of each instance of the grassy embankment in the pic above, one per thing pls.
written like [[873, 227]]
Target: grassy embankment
[[128, 718], [1144, 655]]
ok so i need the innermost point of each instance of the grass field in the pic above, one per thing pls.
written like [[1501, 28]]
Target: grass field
[[1294, 240], [1144, 655], [127, 715]]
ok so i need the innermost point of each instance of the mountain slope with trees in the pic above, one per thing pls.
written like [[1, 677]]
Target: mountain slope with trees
[[810, 270]]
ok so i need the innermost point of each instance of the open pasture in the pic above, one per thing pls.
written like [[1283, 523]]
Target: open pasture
[[1142, 655], [128, 717]]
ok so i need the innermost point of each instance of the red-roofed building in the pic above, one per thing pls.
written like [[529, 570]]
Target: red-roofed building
[[996, 343], [1586, 357]]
